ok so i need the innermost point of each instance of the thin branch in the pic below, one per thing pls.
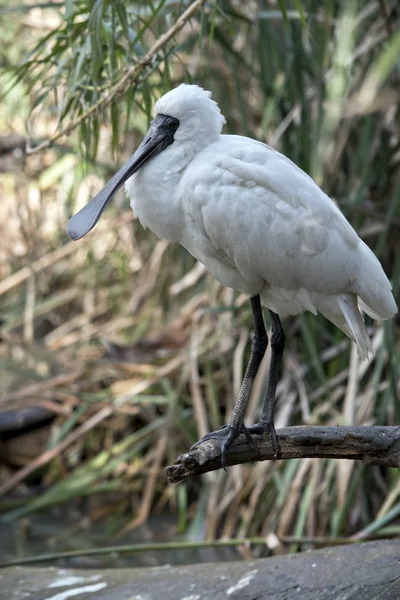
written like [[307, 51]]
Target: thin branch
[[130, 75], [371, 445], [48, 260]]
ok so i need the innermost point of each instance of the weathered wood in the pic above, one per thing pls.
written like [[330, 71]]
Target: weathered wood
[[372, 445], [14, 421], [360, 572]]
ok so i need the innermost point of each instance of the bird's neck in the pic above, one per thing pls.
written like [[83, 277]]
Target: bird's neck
[[154, 189], [153, 193]]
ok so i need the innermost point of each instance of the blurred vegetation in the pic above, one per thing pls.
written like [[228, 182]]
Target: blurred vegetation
[[119, 350]]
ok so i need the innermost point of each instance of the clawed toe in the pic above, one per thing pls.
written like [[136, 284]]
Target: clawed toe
[[269, 428], [213, 435], [225, 436]]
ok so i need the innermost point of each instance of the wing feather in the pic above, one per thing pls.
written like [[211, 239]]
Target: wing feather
[[269, 219]]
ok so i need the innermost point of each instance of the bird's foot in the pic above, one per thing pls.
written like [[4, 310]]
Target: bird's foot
[[267, 427], [225, 435]]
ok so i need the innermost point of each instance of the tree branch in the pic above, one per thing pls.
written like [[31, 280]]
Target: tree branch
[[371, 445], [130, 75]]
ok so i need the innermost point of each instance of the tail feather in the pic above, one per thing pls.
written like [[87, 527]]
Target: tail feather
[[368, 310], [343, 311], [373, 287], [355, 323]]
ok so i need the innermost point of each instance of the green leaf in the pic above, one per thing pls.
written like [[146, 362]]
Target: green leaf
[[301, 12], [282, 6]]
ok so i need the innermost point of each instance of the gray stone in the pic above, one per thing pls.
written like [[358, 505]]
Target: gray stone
[[368, 571]]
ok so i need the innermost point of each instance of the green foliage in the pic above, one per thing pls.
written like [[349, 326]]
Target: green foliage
[[78, 65], [75, 65]]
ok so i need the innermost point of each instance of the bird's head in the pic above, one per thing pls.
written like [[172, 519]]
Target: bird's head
[[184, 114], [197, 113]]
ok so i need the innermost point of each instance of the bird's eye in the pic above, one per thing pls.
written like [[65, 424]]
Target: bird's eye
[[172, 123]]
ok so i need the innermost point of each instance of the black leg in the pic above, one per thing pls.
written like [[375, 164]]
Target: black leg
[[258, 348], [235, 426], [266, 423]]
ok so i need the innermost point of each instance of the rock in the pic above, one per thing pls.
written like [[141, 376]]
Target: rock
[[365, 571]]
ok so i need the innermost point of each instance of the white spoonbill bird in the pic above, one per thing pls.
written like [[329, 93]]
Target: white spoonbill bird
[[258, 223]]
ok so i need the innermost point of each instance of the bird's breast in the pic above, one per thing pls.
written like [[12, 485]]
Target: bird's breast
[[153, 198]]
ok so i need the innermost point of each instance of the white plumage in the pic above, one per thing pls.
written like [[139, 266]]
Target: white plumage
[[257, 221]]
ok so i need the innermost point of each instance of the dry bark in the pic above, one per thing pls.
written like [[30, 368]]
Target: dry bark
[[372, 445]]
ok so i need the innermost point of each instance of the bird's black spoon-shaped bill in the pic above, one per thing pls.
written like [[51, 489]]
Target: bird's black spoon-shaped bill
[[156, 139]]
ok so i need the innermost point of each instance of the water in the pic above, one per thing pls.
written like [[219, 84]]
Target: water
[[63, 529]]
